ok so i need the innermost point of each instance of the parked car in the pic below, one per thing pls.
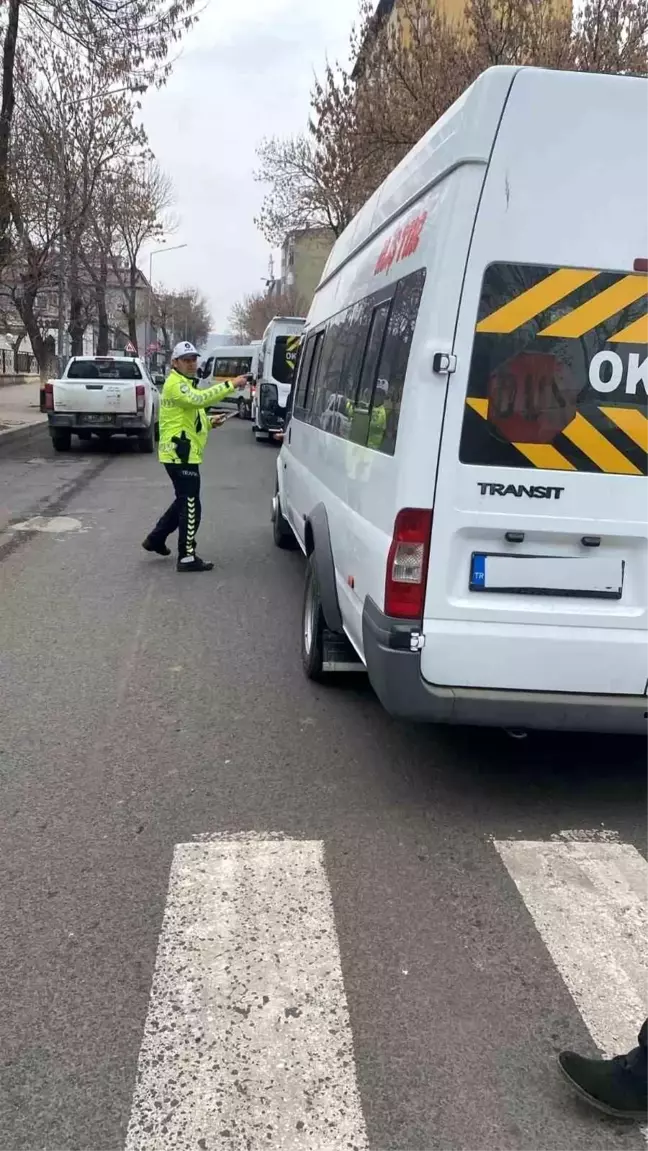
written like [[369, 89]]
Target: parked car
[[475, 525], [102, 396]]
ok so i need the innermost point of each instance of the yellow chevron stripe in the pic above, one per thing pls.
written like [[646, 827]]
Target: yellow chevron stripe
[[601, 308], [598, 449], [546, 456], [636, 333], [632, 422], [535, 300], [479, 406]]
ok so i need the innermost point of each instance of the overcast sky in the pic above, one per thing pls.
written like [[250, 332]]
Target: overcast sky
[[244, 72]]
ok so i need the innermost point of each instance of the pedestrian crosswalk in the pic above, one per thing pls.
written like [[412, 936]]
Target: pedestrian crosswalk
[[248, 1041]]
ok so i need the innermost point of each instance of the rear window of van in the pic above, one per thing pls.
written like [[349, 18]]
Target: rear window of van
[[559, 371]]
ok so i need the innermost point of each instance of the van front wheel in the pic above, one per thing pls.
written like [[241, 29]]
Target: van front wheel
[[312, 645]]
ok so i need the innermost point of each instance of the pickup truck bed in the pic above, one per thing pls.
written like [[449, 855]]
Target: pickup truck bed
[[102, 396]]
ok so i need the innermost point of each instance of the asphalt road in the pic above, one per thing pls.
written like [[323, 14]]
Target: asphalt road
[[140, 710]]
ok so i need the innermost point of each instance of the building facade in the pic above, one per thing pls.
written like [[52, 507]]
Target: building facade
[[303, 256]]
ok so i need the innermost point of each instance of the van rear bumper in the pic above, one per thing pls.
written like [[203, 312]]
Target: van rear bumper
[[395, 675]]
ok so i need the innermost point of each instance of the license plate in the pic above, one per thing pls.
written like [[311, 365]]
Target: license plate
[[593, 578], [96, 418]]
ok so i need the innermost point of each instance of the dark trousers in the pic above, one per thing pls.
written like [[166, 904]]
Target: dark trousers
[[185, 512]]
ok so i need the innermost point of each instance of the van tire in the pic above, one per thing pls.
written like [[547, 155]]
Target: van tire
[[282, 532], [146, 443], [241, 408], [61, 441], [312, 631]]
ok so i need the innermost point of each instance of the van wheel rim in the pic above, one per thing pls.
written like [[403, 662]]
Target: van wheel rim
[[309, 618]]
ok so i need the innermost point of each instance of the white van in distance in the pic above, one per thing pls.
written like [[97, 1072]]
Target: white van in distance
[[277, 361], [465, 466]]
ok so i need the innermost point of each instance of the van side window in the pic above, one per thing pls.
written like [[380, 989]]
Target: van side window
[[304, 370], [392, 367], [307, 374], [377, 324], [313, 376]]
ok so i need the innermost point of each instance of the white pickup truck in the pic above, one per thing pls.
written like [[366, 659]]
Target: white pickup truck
[[103, 396]]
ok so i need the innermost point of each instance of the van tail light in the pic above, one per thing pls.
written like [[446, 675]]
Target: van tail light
[[140, 393], [407, 564], [49, 396]]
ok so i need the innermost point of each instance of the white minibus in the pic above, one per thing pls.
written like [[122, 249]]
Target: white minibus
[[465, 464], [277, 360]]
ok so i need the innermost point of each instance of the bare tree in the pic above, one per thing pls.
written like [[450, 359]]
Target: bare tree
[[406, 74], [129, 42], [308, 187], [250, 317], [181, 315], [144, 195]]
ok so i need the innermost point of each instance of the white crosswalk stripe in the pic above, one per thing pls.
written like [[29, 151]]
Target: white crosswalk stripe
[[247, 1042], [588, 901]]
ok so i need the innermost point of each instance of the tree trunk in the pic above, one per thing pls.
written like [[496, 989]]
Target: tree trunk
[[78, 322], [103, 338], [132, 306], [26, 305], [6, 117]]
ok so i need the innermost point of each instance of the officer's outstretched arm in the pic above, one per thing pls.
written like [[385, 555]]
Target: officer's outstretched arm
[[189, 397]]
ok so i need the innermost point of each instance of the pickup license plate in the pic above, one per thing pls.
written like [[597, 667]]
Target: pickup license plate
[[96, 418], [594, 578]]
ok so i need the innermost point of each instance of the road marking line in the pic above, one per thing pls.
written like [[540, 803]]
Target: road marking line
[[588, 902], [247, 1042]]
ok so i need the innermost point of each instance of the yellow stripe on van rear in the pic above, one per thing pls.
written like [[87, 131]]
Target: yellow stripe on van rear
[[632, 422], [599, 450], [546, 456], [599, 309], [536, 300], [636, 333]]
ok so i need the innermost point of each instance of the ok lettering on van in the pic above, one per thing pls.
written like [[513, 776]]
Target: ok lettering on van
[[401, 244], [559, 371]]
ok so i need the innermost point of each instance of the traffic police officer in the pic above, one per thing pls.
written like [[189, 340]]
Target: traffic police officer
[[184, 429]]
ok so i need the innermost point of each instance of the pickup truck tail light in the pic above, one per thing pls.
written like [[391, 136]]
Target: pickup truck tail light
[[407, 564], [140, 393], [49, 396]]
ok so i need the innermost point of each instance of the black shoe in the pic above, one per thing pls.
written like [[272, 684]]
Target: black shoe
[[194, 565], [616, 1086], [152, 545]]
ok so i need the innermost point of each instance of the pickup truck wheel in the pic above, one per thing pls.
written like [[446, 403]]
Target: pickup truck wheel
[[61, 440], [312, 644], [147, 441]]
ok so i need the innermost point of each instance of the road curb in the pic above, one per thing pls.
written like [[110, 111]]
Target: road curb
[[23, 432]]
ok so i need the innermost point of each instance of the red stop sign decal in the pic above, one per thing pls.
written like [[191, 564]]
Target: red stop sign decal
[[531, 398]]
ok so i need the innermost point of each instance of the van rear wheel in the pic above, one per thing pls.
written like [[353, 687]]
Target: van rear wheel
[[312, 645], [282, 533]]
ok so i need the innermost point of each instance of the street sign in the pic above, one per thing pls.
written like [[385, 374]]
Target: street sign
[[130, 349], [153, 348]]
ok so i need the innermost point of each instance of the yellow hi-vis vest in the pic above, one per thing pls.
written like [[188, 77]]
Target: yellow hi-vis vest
[[184, 425]]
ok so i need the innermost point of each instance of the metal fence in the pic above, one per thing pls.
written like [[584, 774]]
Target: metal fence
[[17, 363]]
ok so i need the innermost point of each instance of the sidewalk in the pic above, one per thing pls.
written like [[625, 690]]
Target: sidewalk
[[19, 409]]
